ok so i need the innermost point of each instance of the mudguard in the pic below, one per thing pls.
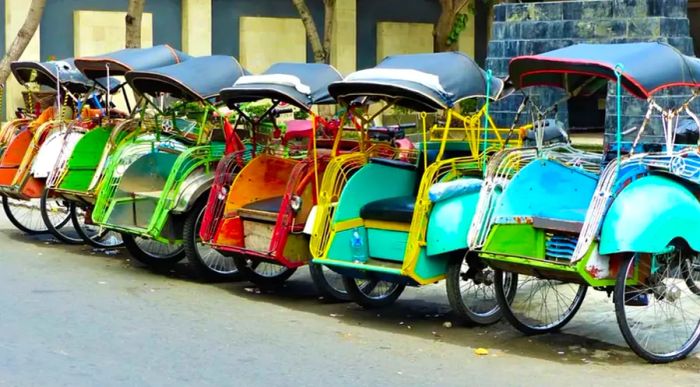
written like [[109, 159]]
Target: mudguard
[[648, 214], [449, 223], [47, 156], [195, 185]]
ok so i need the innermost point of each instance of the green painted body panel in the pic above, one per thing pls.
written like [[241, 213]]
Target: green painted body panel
[[373, 182], [449, 223], [648, 214], [84, 160], [387, 244], [516, 239], [358, 266]]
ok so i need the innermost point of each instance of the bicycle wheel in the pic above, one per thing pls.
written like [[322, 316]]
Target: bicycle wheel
[[55, 213], [26, 215], [152, 253], [93, 234]]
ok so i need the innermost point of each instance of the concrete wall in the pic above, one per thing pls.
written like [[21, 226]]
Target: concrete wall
[[58, 19]]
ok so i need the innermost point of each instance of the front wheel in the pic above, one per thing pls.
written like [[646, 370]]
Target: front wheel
[[372, 293], [56, 214], [471, 290], [93, 234], [328, 283], [157, 255], [206, 263], [658, 314], [538, 305], [25, 215], [261, 273]]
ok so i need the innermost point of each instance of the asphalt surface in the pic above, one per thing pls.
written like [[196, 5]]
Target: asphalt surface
[[73, 316]]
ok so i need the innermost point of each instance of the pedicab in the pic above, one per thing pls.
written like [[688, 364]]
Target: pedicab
[[257, 218], [153, 181], [34, 146], [396, 222], [626, 222], [78, 179]]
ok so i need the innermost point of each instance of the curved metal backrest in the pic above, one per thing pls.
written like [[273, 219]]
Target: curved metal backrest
[[645, 68], [424, 82], [195, 79], [129, 59], [299, 84]]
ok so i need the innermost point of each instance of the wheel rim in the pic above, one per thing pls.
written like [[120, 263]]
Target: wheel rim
[[544, 304], [214, 260], [661, 312], [267, 269], [691, 273], [96, 234], [157, 249], [27, 213], [333, 279], [477, 289], [376, 289]]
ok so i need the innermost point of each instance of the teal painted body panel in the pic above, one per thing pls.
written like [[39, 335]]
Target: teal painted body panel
[[387, 244], [429, 266], [340, 245], [548, 189], [648, 214], [373, 182], [449, 223]]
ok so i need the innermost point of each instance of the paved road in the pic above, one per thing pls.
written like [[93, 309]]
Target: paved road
[[72, 316]]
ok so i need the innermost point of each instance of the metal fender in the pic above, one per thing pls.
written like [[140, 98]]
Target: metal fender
[[194, 186], [48, 154], [449, 223], [648, 214]]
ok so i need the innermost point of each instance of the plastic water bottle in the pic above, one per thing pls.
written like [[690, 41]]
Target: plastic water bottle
[[357, 247]]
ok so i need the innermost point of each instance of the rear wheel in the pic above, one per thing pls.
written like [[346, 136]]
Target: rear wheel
[[94, 235], [538, 305], [261, 273], [691, 272], [328, 283], [26, 215], [658, 313], [206, 263], [372, 293], [56, 213], [471, 290], [152, 253]]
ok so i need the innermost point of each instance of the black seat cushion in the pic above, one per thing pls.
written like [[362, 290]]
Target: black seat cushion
[[394, 163], [266, 205], [398, 209]]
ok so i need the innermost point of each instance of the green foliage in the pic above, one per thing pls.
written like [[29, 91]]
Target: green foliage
[[468, 106], [256, 109], [301, 114], [459, 25]]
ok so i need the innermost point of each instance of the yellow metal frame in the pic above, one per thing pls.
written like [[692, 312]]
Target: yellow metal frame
[[341, 167]]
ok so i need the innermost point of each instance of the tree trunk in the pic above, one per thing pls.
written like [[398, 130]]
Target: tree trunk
[[449, 9], [31, 23], [133, 23], [311, 31], [328, 21]]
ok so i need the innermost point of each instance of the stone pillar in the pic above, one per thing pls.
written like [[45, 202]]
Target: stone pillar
[[15, 14], [344, 42], [534, 28], [196, 27]]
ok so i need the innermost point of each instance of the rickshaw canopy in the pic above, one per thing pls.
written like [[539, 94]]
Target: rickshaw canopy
[[129, 59], [425, 82], [195, 79], [48, 73], [299, 84], [646, 68]]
